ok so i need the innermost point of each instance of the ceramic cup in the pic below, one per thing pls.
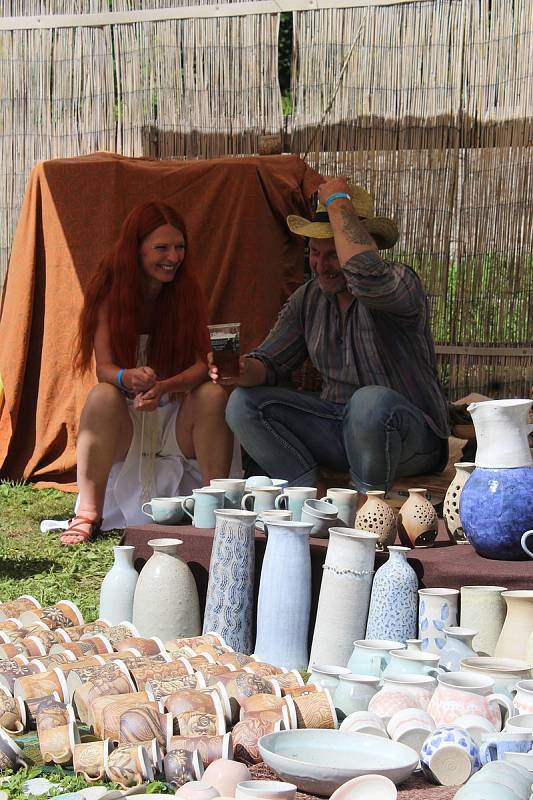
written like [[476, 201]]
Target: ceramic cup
[[161, 689], [165, 510], [201, 505], [494, 745], [14, 608], [233, 490], [198, 723], [12, 715], [266, 790], [364, 722], [371, 656], [321, 515], [182, 766], [258, 480], [522, 722], [90, 759], [57, 744], [260, 499], [245, 736], [287, 682], [63, 614], [449, 756], [476, 725], [346, 502], [147, 647], [105, 712], [42, 684], [327, 676], [293, 499], [11, 756], [506, 776], [316, 710], [411, 662], [354, 692], [53, 714], [274, 515], [460, 693], [142, 724], [129, 766], [411, 726], [210, 748]]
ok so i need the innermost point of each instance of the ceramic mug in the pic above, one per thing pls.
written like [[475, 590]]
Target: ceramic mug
[[266, 790], [245, 736], [159, 690], [316, 710], [201, 505], [165, 510], [460, 693], [42, 684], [327, 676], [494, 745], [321, 515], [371, 656], [364, 722], [57, 744], [210, 748], [90, 759], [12, 715], [449, 756], [182, 766], [142, 724], [198, 723], [258, 480], [293, 499], [260, 499], [105, 712], [129, 766], [11, 756], [346, 502], [233, 489], [414, 663], [354, 692]]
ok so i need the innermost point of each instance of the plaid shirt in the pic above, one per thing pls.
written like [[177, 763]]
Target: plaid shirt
[[384, 338]]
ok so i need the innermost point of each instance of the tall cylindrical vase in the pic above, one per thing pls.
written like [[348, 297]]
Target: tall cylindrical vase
[[518, 624], [166, 598], [437, 610], [344, 595], [285, 596], [483, 609], [394, 600], [118, 587], [230, 591]]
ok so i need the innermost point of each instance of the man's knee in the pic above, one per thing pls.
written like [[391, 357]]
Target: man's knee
[[238, 407], [371, 406]]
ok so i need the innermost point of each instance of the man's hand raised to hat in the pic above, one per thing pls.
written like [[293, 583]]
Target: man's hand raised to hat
[[331, 186]]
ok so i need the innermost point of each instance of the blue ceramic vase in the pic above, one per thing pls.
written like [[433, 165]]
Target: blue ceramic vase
[[394, 599], [496, 509]]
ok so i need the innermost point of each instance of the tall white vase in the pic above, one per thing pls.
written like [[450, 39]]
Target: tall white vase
[[118, 587], [229, 603], [483, 609], [166, 598], [518, 625], [344, 595], [285, 596]]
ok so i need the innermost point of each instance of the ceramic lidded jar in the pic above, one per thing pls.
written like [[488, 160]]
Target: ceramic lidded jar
[[118, 587], [230, 591], [166, 598], [463, 470], [394, 600], [417, 520], [377, 516]]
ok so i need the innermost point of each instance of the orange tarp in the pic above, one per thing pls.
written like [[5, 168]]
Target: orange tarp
[[237, 242]]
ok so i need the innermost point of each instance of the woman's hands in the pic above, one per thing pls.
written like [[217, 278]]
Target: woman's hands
[[149, 400], [139, 379]]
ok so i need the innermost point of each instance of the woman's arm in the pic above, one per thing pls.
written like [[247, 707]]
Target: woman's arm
[[139, 379]]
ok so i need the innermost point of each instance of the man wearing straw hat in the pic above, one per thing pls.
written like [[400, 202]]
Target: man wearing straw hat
[[363, 321]]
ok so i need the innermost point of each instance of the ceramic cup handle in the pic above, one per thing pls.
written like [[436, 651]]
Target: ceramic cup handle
[[326, 499], [502, 701], [244, 501], [488, 752], [282, 501], [185, 505], [378, 665], [148, 513], [435, 671], [523, 541]]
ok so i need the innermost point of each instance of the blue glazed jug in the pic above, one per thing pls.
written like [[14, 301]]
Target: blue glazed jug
[[496, 504]]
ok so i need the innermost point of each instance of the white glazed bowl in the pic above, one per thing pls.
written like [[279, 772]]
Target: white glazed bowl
[[318, 761]]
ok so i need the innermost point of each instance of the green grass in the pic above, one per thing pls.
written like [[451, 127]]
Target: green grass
[[35, 563]]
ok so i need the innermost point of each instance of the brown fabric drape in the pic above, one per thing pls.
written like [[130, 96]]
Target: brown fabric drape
[[239, 245]]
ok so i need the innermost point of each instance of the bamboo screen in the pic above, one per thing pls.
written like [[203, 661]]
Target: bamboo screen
[[433, 114]]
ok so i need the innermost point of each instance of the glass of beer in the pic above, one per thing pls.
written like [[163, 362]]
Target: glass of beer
[[226, 348]]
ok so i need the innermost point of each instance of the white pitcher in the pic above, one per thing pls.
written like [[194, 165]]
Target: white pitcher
[[502, 429]]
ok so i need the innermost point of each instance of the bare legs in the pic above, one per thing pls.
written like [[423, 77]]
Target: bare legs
[[104, 437], [202, 433]]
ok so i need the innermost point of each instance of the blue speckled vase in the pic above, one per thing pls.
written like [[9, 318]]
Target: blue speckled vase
[[496, 509], [394, 599]]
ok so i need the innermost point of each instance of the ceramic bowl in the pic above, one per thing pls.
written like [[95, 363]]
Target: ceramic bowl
[[265, 790], [318, 761], [224, 775], [197, 790], [364, 722], [366, 787]]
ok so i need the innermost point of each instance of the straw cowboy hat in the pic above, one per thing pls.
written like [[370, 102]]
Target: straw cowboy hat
[[382, 229]]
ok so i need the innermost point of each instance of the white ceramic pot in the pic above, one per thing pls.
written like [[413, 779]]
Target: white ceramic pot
[[118, 587]]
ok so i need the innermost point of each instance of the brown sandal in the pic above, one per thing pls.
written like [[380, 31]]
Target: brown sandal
[[83, 536]]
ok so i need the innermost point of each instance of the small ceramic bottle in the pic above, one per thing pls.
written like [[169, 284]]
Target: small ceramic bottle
[[118, 587], [394, 600], [463, 470], [377, 516], [458, 646], [417, 520]]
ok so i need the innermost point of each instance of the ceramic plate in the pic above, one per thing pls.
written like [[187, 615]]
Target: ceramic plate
[[319, 761]]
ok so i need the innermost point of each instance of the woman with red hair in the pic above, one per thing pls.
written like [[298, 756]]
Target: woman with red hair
[[153, 425]]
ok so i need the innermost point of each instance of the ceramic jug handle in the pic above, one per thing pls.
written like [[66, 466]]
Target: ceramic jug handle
[[487, 752], [185, 507], [326, 499], [244, 501], [149, 513], [378, 664], [523, 541], [436, 671], [282, 501], [502, 701]]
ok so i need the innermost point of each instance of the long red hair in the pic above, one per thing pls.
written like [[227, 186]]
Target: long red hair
[[179, 331]]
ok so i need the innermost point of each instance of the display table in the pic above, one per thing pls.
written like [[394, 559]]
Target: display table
[[447, 565]]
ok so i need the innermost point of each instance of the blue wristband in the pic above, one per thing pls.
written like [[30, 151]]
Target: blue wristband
[[120, 373], [336, 196]]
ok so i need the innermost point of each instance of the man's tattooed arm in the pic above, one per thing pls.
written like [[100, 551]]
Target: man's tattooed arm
[[354, 231]]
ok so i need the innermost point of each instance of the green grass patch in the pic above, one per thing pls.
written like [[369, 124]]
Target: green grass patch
[[37, 563]]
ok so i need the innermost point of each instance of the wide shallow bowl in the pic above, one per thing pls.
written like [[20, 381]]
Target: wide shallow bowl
[[318, 761]]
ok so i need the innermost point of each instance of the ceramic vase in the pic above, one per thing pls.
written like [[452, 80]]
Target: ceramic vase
[[458, 646], [118, 587], [463, 470], [483, 609], [496, 504], [417, 520], [166, 598], [437, 610], [344, 595], [230, 591], [282, 613], [377, 516], [394, 600], [518, 625]]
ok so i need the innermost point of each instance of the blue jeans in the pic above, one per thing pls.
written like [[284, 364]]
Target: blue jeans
[[377, 436]]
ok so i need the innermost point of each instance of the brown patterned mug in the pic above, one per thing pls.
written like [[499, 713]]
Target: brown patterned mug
[[35, 704], [145, 723], [146, 647], [196, 723], [210, 748], [151, 670], [288, 681], [44, 663], [161, 689], [194, 641], [129, 766], [207, 702], [11, 756], [75, 632], [105, 711], [53, 714], [182, 766], [263, 669], [112, 678], [90, 759], [153, 751], [63, 614], [315, 710], [57, 744], [246, 735], [234, 659], [42, 684], [14, 608], [123, 630], [12, 715]]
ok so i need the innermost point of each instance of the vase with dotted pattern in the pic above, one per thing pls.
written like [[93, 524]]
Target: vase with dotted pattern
[[344, 595], [377, 516], [393, 609], [417, 520], [463, 470]]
